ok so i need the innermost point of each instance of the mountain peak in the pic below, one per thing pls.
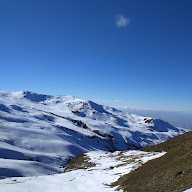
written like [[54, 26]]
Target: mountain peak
[[35, 97]]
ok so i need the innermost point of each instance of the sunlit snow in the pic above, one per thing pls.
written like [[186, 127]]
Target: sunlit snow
[[109, 167]]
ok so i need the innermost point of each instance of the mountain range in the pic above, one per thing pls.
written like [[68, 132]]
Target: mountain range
[[49, 130], [39, 134]]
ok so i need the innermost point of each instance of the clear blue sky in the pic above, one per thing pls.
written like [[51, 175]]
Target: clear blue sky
[[115, 52]]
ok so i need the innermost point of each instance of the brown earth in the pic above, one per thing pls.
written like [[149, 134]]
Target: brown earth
[[169, 173]]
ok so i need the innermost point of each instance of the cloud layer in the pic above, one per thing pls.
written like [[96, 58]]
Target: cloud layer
[[122, 21]]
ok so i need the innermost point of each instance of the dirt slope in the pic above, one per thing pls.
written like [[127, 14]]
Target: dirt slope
[[169, 173]]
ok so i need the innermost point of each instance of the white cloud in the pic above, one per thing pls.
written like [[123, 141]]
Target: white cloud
[[122, 21]]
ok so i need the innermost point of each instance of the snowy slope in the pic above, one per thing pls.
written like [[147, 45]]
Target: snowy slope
[[188, 190], [40, 133], [107, 169]]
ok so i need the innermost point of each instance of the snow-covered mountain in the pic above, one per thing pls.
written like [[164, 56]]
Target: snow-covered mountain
[[40, 133], [176, 118]]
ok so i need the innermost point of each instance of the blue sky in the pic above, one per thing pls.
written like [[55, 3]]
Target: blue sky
[[116, 52]]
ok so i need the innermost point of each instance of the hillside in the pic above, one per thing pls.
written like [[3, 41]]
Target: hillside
[[40, 133], [95, 171], [170, 173]]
